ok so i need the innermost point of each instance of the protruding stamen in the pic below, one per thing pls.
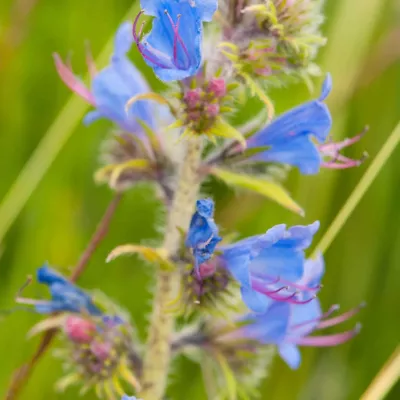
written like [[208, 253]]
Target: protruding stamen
[[333, 308], [328, 340], [177, 38], [341, 318], [72, 81]]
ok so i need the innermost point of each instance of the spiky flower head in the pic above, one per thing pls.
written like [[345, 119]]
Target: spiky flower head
[[273, 39], [99, 353]]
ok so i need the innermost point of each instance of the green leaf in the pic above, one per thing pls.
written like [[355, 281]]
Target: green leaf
[[264, 187], [154, 141], [247, 153], [223, 129], [150, 254], [230, 380]]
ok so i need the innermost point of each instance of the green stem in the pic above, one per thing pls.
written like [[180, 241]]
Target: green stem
[[158, 352], [359, 191]]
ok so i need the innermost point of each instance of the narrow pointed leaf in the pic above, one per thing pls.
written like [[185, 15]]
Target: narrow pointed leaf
[[262, 186], [223, 129], [150, 254]]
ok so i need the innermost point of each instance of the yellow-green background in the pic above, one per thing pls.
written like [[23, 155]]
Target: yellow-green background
[[362, 264]]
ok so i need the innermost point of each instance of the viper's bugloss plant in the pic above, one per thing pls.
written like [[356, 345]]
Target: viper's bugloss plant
[[235, 300]]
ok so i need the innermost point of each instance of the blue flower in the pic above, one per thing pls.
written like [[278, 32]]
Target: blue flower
[[173, 47], [125, 397], [65, 296], [202, 236], [290, 137], [113, 86], [290, 325], [269, 266]]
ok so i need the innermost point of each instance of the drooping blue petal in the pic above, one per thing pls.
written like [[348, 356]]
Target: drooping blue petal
[[173, 46], [304, 318], [274, 262], [314, 270], [48, 276], [290, 354], [256, 301], [113, 86], [326, 87], [269, 327], [298, 151]]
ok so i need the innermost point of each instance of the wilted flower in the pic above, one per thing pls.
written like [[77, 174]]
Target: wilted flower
[[65, 296], [202, 236], [173, 47]]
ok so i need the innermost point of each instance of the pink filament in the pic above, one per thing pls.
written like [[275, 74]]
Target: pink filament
[[328, 340], [142, 49], [177, 38], [72, 81], [339, 319]]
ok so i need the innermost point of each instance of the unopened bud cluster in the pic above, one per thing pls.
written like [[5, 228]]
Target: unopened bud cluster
[[203, 104]]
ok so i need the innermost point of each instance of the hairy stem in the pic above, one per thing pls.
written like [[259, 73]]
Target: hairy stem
[[22, 374], [158, 354]]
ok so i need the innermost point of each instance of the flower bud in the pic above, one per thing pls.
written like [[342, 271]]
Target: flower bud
[[212, 110], [217, 86], [79, 330], [193, 97]]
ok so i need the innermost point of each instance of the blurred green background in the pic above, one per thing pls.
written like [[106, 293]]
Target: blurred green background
[[363, 55]]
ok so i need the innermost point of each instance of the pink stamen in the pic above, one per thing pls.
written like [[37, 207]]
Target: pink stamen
[[334, 147], [143, 49], [90, 62], [328, 340], [339, 319], [287, 283], [177, 38], [338, 161], [72, 81]]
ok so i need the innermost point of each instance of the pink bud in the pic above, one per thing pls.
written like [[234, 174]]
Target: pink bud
[[101, 350], [79, 330], [192, 97], [217, 86], [207, 269], [212, 110]]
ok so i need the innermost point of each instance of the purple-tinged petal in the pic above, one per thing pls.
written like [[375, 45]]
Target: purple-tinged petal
[[256, 301], [326, 87], [290, 354], [270, 327]]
